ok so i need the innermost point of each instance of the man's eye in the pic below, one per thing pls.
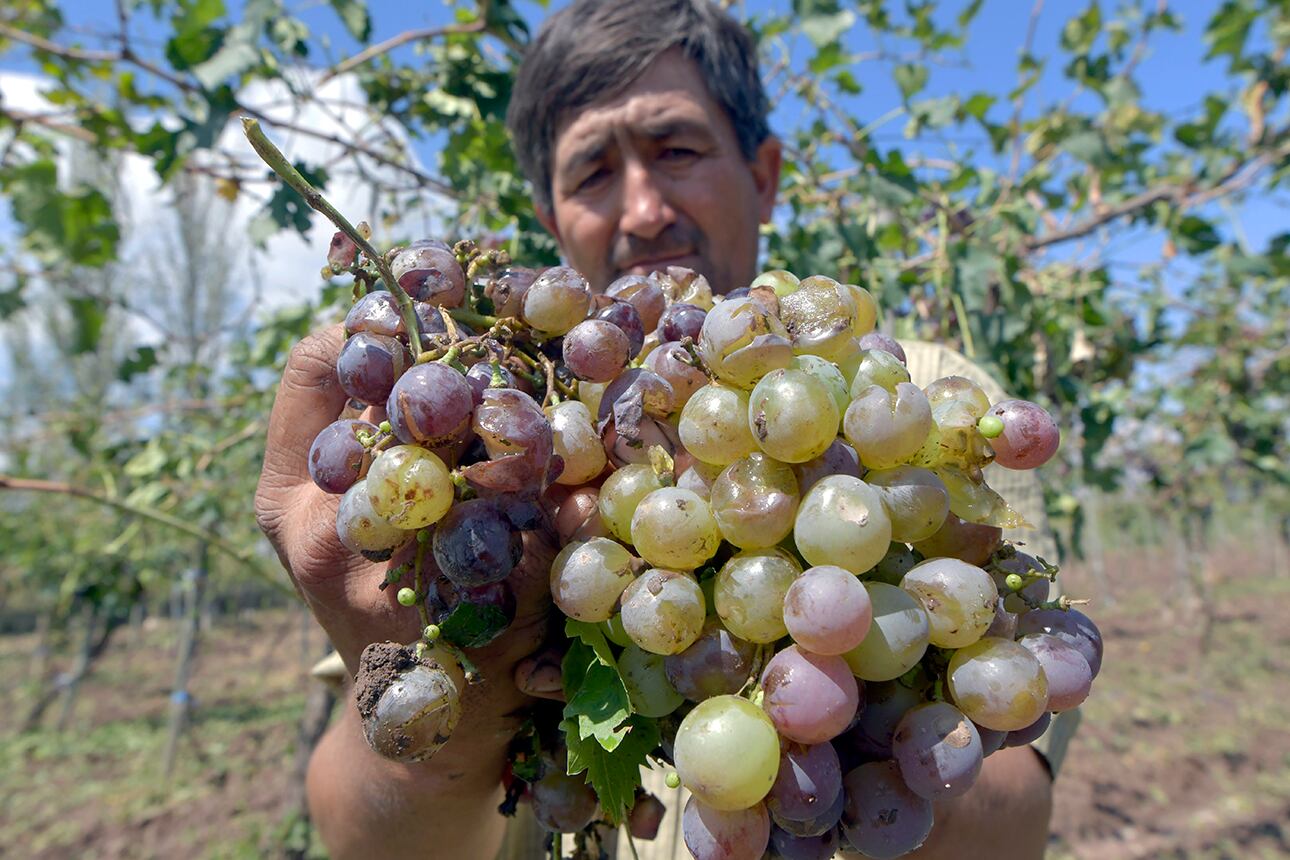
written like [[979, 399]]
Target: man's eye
[[593, 178], [678, 153]]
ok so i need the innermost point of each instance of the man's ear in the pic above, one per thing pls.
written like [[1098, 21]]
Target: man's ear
[[546, 217], [765, 166]]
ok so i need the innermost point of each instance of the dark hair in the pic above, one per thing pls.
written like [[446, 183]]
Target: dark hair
[[594, 49]]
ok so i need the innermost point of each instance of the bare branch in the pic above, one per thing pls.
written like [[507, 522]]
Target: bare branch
[[396, 41]]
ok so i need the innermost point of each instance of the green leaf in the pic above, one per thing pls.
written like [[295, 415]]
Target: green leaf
[[11, 300], [235, 56], [148, 462], [62, 227], [600, 706], [823, 28], [1228, 29], [1081, 32], [593, 637], [141, 360], [471, 625], [910, 78], [88, 317], [1196, 235], [614, 776], [353, 14]]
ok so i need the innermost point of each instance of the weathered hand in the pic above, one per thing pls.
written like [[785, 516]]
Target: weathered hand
[[343, 590]]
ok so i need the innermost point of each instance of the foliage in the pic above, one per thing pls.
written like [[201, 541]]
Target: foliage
[[1004, 250]]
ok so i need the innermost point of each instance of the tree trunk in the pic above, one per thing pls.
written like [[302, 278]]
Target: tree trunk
[[179, 696]]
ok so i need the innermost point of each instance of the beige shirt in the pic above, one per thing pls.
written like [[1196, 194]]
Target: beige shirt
[[926, 362]]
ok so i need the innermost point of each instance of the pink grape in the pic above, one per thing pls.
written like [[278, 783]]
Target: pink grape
[[712, 834], [811, 698], [429, 404], [1068, 673], [596, 350], [336, 458], [827, 610], [1072, 627], [1030, 436]]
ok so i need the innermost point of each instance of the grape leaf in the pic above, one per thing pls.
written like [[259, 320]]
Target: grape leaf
[[600, 706], [593, 637], [615, 775]]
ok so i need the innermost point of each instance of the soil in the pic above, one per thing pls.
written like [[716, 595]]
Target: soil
[[1182, 752]]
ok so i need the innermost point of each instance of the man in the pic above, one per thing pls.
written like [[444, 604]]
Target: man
[[642, 127]]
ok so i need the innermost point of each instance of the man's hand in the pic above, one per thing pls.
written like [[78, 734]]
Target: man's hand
[[352, 789]]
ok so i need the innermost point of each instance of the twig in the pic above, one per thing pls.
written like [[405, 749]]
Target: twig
[[393, 42], [273, 157]]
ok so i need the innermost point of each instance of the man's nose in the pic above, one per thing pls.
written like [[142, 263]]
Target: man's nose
[[646, 212]]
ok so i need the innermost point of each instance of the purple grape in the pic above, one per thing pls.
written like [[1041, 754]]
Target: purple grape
[[898, 561], [1029, 734], [786, 846], [642, 293], [938, 750], [506, 291], [811, 698], [878, 340], [680, 321], [883, 819], [474, 544], [1068, 673], [825, 820], [670, 361], [627, 318], [885, 703], [808, 782], [596, 350], [717, 663], [375, 313], [429, 320], [480, 377], [839, 459], [429, 404], [337, 459], [518, 439], [711, 834], [646, 817], [562, 803], [966, 541], [1030, 436], [1072, 627], [369, 366], [428, 271], [991, 740]]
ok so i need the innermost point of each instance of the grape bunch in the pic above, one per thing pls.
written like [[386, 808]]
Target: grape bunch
[[784, 564]]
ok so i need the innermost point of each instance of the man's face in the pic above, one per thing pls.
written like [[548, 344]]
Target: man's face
[[654, 177]]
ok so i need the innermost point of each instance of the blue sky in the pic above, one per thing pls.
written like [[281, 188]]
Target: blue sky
[[1173, 76]]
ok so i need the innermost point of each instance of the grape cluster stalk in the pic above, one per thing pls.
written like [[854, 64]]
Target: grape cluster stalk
[[786, 549]]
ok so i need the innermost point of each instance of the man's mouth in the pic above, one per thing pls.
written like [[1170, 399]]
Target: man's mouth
[[646, 265]]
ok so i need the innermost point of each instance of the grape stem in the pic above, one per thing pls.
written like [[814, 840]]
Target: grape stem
[[273, 157], [416, 581]]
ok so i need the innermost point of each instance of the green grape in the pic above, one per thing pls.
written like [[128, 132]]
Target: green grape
[[841, 521], [998, 684], [741, 342], [755, 501], [886, 428], [714, 425], [749, 593], [621, 493], [915, 499], [575, 439], [792, 415], [727, 753], [614, 632], [897, 637], [959, 389], [674, 527], [991, 426], [959, 598], [819, 315], [648, 689], [409, 486], [866, 310], [663, 611], [588, 577], [878, 367], [827, 373], [782, 282]]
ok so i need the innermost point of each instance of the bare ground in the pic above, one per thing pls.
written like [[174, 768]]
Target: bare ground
[[1183, 752]]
